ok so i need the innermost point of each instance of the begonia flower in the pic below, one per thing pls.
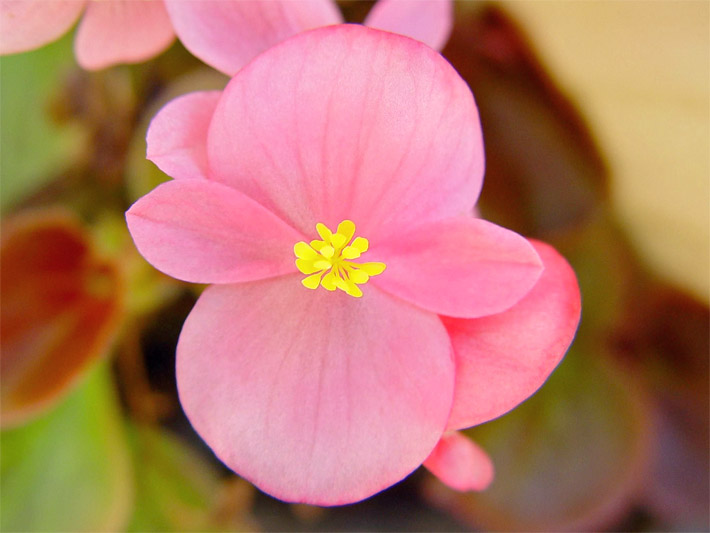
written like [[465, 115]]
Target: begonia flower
[[225, 34], [110, 32], [358, 314]]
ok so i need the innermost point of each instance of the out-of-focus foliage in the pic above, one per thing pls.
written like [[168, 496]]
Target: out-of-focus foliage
[[666, 335], [61, 308], [70, 469], [569, 459], [178, 490], [544, 175], [642, 72], [34, 147]]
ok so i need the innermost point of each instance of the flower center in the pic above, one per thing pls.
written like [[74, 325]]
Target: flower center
[[329, 262]]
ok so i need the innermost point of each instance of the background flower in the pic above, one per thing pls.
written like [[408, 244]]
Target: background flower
[[227, 35], [224, 33], [116, 31]]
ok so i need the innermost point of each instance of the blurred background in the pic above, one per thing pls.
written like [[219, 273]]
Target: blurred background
[[596, 119]]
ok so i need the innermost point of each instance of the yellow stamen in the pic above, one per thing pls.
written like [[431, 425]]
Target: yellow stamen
[[328, 262]]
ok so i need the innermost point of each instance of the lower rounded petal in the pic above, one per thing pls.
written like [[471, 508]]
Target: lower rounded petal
[[29, 24], [503, 359], [313, 396], [122, 31], [460, 463]]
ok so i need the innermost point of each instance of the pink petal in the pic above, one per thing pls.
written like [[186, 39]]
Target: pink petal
[[428, 21], [463, 267], [122, 31], [177, 136], [313, 396], [503, 359], [460, 463], [204, 232], [227, 35], [351, 123], [29, 24]]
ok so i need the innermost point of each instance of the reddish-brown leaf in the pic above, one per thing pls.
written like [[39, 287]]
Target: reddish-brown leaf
[[60, 308]]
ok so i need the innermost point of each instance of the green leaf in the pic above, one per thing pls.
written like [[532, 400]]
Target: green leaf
[[68, 470], [568, 459], [177, 490], [606, 270], [34, 148]]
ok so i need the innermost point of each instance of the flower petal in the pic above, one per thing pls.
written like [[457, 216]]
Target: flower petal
[[463, 267], [313, 396], [227, 35], [351, 123], [460, 463], [503, 359], [428, 21], [177, 136], [28, 24], [122, 31], [204, 232]]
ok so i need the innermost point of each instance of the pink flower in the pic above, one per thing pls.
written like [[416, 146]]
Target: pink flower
[[111, 32], [226, 34], [355, 156]]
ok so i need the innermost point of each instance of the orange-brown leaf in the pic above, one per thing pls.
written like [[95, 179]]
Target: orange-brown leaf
[[60, 309]]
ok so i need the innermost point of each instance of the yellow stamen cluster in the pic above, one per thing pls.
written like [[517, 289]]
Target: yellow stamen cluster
[[329, 264]]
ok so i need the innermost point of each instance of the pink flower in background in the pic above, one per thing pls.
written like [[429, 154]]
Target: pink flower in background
[[359, 314], [226, 34], [110, 32]]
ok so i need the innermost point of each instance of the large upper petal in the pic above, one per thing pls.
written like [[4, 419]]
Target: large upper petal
[[177, 136], [428, 21], [464, 267], [29, 24], [227, 35], [314, 396], [503, 359], [122, 31], [460, 463], [205, 232], [348, 122]]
